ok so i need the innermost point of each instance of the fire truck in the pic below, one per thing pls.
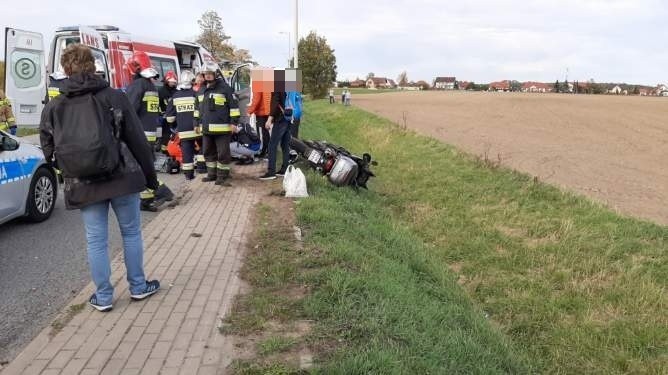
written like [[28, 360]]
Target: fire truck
[[27, 64]]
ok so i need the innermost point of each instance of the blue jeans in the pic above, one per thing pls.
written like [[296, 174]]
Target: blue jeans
[[96, 221]]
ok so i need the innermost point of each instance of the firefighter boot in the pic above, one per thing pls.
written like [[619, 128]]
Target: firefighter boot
[[163, 194], [190, 175], [223, 177], [147, 199], [148, 205], [200, 164], [210, 175]]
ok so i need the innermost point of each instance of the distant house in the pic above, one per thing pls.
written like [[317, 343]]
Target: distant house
[[501, 86], [616, 90], [463, 85], [536, 87], [358, 83], [661, 90], [643, 92], [380, 83], [444, 83]]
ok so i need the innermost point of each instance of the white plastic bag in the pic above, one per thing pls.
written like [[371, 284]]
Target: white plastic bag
[[294, 183]]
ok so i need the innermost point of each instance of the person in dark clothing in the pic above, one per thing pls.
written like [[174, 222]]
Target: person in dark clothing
[[164, 94], [120, 190], [219, 114], [145, 101], [279, 125]]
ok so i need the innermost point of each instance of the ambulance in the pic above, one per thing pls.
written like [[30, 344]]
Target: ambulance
[[28, 64]]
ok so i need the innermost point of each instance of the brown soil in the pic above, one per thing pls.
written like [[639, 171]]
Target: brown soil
[[613, 149]]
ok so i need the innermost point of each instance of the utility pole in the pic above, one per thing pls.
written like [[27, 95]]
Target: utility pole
[[289, 46], [295, 54]]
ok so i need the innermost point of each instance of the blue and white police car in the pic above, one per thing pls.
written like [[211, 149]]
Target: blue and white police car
[[28, 185]]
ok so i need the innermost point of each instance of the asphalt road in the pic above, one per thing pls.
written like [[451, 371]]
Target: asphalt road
[[42, 266]]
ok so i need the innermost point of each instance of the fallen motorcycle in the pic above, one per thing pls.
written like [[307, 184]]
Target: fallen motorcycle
[[340, 166]]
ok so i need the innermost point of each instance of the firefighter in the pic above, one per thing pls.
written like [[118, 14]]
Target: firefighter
[[200, 162], [7, 121], [219, 114], [56, 83], [181, 111], [144, 99], [166, 91]]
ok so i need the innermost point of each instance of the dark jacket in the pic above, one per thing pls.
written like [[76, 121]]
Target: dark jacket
[[164, 94], [136, 170], [218, 108], [277, 103], [181, 110], [146, 104]]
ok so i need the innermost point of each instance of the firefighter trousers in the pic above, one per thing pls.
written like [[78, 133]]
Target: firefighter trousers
[[188, 155], [217, 152]]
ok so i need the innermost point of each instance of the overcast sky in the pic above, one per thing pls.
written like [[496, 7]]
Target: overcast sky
[[479, 40]]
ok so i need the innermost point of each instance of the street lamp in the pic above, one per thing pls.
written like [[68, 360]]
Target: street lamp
[[289, 45]]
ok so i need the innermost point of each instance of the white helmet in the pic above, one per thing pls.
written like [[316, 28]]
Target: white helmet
[[209, 67], [186, 79]]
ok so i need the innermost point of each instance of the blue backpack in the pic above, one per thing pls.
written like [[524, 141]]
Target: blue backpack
[[293, 100]]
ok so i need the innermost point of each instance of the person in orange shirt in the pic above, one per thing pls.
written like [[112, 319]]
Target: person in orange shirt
[[260, 107]]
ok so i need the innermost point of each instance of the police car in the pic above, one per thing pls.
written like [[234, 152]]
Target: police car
[[28, 186]]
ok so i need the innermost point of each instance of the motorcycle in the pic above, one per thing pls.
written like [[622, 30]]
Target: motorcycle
[[341, 167]]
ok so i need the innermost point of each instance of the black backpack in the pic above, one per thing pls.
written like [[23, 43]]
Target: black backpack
[[86, 138]]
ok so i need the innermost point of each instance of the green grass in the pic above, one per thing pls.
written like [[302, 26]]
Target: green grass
[[275, 344], [23, 132], [567, 285]]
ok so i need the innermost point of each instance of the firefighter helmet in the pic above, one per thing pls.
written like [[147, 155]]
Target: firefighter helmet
[[186, 79], [141, 63], [170, 76], [211, 67]]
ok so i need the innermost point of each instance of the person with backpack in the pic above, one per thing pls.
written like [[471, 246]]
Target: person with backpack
[[94, 135], [145, 101], [181, 111], [279, 124], [219, 114], [245, 144]]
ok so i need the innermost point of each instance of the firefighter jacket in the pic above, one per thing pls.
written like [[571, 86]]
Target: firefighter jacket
[[164, 94], [6, 114], [55, 88], [218, 108], [181, 110], [144, 99]]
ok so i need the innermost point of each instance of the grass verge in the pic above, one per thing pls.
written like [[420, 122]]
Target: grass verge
[[23, 132], [576, 287], [453, 265]]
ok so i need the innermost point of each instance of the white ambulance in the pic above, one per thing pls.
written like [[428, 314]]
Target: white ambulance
[[27, 64]]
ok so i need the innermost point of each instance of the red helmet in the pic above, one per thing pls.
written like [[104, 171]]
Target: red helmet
[[170, 76], [141, 63]]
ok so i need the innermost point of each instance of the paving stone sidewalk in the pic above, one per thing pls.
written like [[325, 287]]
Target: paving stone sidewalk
[[195, 250]]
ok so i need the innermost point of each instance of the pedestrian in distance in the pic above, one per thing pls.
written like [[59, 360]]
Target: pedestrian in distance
[[93, 134]]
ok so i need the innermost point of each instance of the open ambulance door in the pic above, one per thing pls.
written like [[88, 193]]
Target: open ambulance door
[[25, 74]]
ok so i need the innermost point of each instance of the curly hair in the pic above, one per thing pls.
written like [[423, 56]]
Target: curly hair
[[77, 58]]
